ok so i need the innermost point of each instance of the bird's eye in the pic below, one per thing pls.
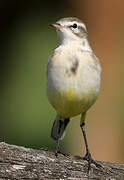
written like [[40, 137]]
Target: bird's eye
[[74, 25]]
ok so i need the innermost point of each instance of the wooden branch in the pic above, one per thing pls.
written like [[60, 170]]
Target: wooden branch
[[24, 163]]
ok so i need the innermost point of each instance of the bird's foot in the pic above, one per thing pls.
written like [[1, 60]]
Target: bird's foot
[[90, 161], [57, 150], [60, 152]]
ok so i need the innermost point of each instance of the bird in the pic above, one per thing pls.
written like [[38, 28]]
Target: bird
[[73, 79]]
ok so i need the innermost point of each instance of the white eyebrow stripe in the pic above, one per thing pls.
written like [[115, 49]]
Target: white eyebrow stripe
[[73, 22]]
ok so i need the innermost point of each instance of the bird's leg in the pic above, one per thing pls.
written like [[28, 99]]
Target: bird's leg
[[57, 149], [88, 156]]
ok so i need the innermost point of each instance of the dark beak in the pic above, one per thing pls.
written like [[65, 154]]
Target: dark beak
[[56, 25]]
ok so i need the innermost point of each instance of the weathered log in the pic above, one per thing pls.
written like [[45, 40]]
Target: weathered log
[[25, 163]]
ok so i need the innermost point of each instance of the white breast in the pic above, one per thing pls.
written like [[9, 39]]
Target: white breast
[[69, 90]]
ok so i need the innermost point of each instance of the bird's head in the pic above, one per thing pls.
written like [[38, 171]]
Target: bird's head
[[70, 29]]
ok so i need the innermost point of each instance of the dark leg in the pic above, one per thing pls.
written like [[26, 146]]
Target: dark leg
[[57, 149], [88, 156]]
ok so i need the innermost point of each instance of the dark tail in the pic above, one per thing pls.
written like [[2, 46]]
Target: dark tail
[[59, 127]]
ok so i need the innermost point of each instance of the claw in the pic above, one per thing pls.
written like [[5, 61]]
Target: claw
[[60, 152], [90, 161]]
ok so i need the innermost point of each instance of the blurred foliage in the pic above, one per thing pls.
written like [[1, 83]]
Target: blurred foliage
[[26, 114]]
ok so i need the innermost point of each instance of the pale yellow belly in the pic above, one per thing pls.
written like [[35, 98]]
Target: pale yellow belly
[[71, 103], [72, 93]]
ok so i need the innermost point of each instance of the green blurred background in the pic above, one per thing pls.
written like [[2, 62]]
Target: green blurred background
[[26, 43]]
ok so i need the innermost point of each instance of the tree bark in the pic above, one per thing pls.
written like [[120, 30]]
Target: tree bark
[[25, 163]]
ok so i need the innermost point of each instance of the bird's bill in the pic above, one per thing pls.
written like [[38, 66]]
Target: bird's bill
[[56, 25]]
